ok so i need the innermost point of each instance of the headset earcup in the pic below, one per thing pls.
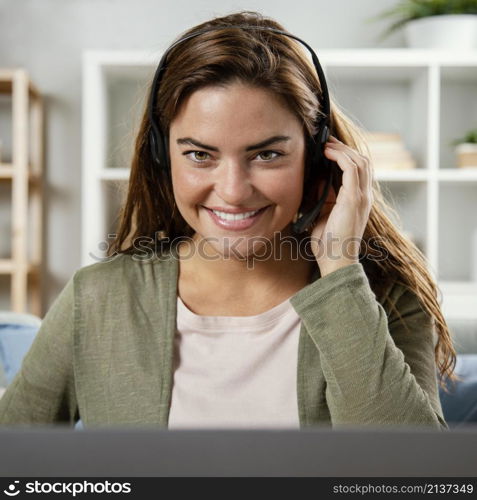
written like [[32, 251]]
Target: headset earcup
[[159, 148], [317, 167], [166, 163]]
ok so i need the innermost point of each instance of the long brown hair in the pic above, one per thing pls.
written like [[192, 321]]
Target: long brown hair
[[277, 63]]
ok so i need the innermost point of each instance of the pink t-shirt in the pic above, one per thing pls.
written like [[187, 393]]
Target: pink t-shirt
[[235, 371]]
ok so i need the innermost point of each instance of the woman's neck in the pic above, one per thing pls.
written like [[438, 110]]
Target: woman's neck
[[262, 280]]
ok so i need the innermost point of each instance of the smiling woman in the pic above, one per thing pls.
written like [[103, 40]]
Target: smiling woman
[[256, 279]]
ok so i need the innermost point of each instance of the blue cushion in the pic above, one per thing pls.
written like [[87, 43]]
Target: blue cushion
[[16, 336], [459, 405], [15, 341]]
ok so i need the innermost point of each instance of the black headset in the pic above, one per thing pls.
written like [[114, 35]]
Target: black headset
[[158, 141]]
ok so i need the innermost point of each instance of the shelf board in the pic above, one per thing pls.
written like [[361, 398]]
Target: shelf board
[[7, 266], [459, 299], [411, 175], [7, 76], [6, 171], [459, 287], [114, 174], [396, 57], [457, 174], [385, 57], [124, 65]]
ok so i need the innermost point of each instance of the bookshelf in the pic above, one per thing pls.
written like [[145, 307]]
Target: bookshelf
[[21, 190], [428, 97]]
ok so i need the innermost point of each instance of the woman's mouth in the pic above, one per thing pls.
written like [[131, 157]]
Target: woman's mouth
[[235, 221]]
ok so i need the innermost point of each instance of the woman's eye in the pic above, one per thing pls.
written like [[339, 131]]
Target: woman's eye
[[267, 155], [197, 156], [202, 156]]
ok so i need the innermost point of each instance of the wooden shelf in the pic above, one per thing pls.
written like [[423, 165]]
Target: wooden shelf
[[7, 266], [7, 77], [25, 174], [6, 171]]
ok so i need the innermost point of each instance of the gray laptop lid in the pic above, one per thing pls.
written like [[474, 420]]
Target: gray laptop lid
[[317, 452]]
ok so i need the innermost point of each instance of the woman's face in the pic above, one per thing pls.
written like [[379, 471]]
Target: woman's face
[[237, 157]]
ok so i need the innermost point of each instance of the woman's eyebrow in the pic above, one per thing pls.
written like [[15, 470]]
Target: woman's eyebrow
[[263, 144]]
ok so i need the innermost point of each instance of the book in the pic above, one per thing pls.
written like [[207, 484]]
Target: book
[[388, 151]]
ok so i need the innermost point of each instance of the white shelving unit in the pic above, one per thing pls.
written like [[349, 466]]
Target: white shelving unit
[[429, 97]]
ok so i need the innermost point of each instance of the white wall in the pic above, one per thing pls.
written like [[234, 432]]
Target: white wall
[[47, 38]]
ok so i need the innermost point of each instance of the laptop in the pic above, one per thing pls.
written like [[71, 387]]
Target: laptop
[[57, 452]]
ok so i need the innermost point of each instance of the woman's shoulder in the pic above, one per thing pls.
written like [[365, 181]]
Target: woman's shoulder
[[125, 270]]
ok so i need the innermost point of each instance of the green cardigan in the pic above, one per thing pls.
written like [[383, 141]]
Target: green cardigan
[[104, 352]]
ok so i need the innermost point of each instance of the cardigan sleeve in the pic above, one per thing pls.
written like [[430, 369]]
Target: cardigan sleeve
[[43, 390], [377, 371]]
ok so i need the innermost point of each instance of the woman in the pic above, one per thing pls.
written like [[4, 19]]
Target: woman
[[212, 310]]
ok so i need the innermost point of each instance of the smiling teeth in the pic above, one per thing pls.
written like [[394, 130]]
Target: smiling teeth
[[227, 216]]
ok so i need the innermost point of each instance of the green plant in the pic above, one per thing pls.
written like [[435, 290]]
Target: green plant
[[469, 137], [407, 10]]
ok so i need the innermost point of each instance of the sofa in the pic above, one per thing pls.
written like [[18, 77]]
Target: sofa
[[459, 404], [17, 332]]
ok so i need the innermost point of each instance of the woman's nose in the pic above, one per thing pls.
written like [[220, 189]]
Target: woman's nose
[[233, 183]]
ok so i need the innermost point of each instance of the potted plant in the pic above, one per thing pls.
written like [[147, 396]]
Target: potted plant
[[447, 24], [466, 149]]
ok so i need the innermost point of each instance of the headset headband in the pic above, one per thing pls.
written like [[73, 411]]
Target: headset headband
[[325, 99]]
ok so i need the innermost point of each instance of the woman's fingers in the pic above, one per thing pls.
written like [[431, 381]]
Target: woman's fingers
[[364, 169], [351, 176]]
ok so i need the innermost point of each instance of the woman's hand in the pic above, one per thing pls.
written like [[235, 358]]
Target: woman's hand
[[336, 236]]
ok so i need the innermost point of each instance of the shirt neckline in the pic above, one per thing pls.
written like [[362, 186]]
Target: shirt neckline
[[256, 322]]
